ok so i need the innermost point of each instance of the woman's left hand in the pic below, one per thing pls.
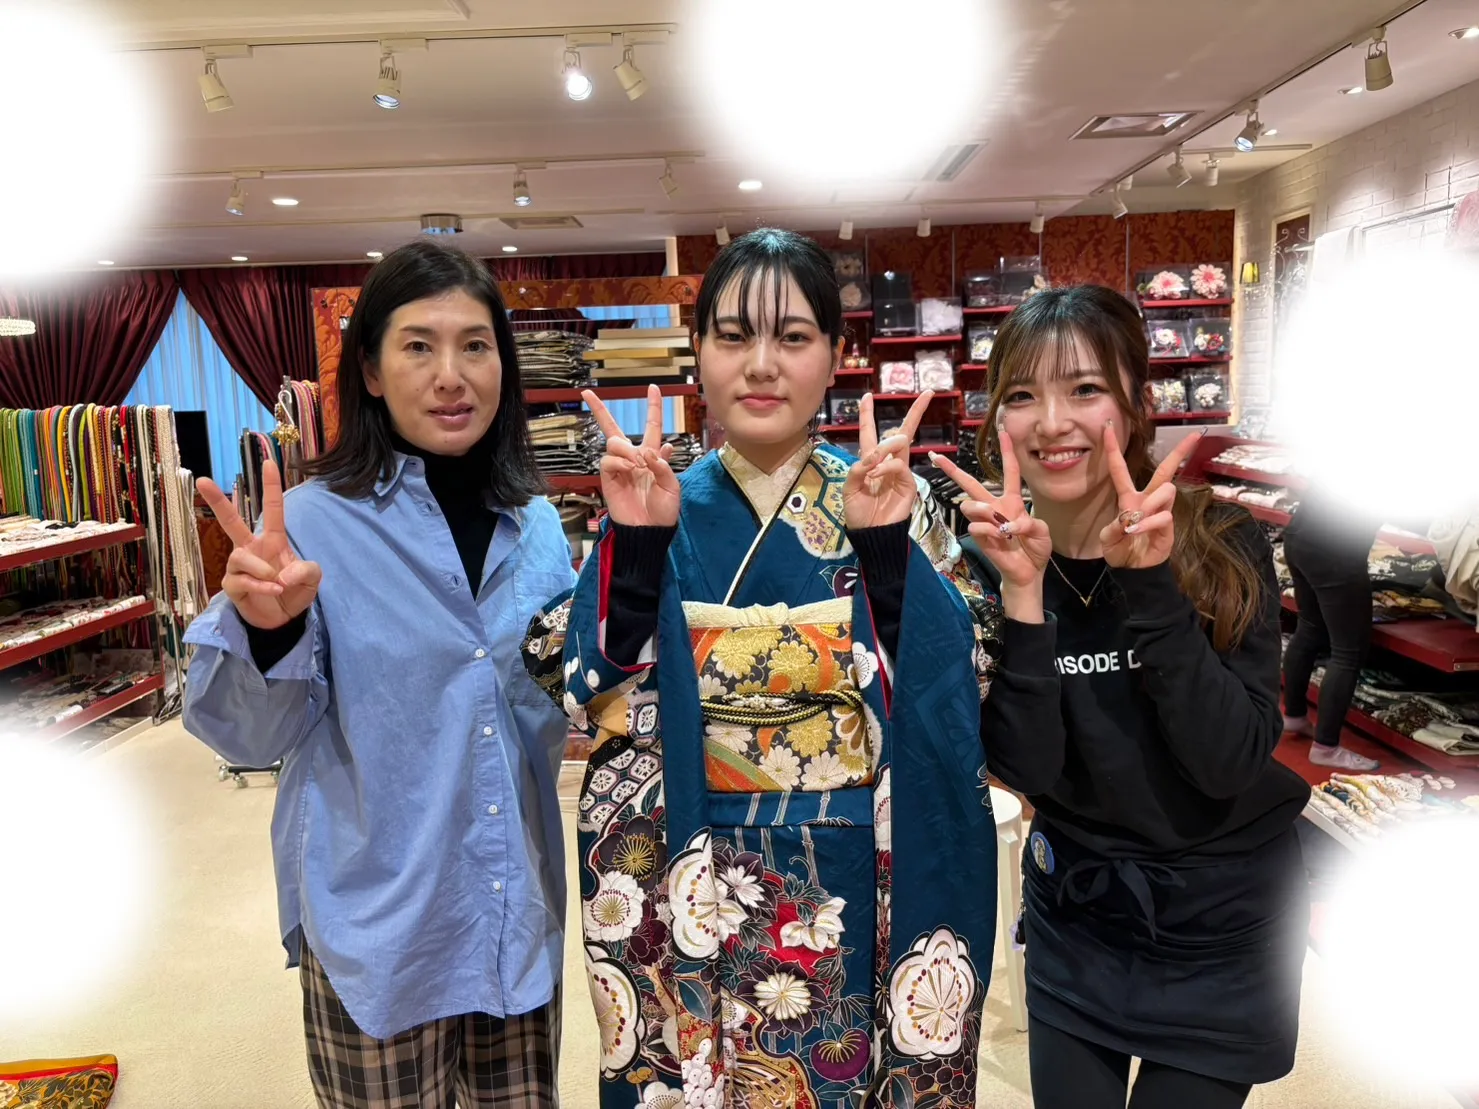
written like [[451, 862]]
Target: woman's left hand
[[1143, 533], [880, 487]]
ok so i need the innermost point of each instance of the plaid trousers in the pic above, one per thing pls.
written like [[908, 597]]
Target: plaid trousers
[[474, 1061]]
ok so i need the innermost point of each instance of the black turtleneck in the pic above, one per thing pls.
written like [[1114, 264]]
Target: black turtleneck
[[459, 486]]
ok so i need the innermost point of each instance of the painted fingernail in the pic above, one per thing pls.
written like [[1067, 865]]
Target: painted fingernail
[[1006, 530], [1132, 529], [999, 518]]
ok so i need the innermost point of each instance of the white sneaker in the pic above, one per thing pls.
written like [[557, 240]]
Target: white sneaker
[[1298, 725], [1341, 758]]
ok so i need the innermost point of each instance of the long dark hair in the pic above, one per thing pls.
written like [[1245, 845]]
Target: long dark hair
[[364, 453], [1039, 337], [768, 256]]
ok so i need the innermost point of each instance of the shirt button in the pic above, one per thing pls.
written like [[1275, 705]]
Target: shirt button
[[487, 731], [492, 810], [480, 653], [497, 887]]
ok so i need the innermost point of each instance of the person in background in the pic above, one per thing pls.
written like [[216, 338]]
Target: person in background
[[1137, 706], [368, 636], [787, 851], [1327, 551]]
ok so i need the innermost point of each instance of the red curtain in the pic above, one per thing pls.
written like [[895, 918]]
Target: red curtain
[[262, 318], [93, 336]]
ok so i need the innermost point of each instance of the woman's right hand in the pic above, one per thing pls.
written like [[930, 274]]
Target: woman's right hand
[[638, 485], [269, 584], [1018, 544]]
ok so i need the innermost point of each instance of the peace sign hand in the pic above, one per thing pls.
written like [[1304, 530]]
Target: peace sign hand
[[1143, 533], [639, 487], [269, 585], [880, 486], [1018, 545]]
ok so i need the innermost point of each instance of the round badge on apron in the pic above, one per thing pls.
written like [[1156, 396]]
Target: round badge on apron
[[1042, 852]]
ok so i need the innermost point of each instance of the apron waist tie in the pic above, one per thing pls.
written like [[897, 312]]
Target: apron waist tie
[[1088, 880]]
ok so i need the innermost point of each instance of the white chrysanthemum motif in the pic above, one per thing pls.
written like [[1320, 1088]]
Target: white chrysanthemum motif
[[782, 765], [614, 912], [930, 992], [783, 996], [710, 687], [696, 899], [659, 1095], [618, 1011], [883, 811], [823, 932], [824, 772], [732, 737], [744, 886], [864, 664]]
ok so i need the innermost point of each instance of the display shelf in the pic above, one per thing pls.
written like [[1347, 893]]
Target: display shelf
[[1179, 417], [1288, 481], [610, 392], [839, 429], [1373, 728], [1408, 544], [971, 423], [915, 340], [52, 551], [106, 707], [913, 396], [1451, 646], [1192, 360], [574, 483], [1223, 302], [856, 373], [973, 367], [1329, 827], [999, 310], [935, 448], [76, 634], [864, 315]]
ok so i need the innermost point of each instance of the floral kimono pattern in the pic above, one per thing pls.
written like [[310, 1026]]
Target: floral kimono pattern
[[787, 852]]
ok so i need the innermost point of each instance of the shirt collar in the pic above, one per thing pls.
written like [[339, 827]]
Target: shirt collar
[[385, 488]]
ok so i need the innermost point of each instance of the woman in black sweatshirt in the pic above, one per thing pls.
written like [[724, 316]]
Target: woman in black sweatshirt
[[1137, 706]]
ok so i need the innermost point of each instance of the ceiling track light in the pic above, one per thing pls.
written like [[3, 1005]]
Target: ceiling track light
[[1378, 64], [633, 80], [521, 190], [1214, 169], [1127, 184], [213, 89], [1178, 172], [577, 85], [1248, 137], [922, 229], [236, 202], [721, 233], [1037, 222], [845, 231], [388, 87], [667, 181], [1465, 33], [1121, 209]]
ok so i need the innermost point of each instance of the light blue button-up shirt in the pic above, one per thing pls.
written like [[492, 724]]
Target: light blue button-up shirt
[[417, 836]]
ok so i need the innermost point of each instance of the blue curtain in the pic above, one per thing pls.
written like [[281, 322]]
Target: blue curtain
[[631, 415], [188, 372]]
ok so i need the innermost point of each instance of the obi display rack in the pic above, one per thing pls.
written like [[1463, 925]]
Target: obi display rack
[[1449, 647]]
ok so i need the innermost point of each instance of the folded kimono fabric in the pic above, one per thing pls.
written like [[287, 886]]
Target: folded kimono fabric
[[85, 1083]]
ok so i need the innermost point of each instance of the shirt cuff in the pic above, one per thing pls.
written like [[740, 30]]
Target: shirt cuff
[[883, 552], [1153, 594], [1030, 649], [640, 552], [221, 627], [271, 645]]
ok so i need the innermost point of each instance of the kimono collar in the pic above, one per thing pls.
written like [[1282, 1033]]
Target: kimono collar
[[764, 491]]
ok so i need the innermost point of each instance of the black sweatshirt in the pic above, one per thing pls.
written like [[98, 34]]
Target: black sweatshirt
[[459, 485], [1126, 729], [636, 578]]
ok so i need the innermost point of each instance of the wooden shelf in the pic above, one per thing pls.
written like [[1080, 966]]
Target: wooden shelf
[[52, 551], [1404, 745], [1288, 481], [1409, 544], [574, 483], [76, 634], [1182, 417], [916, 340], [971, 423], [913, 396], [1451, 646], [973, 367], [867, 314], [1224, 302], [935, 448], [1190, 360], [999, 310], [611, 392], [869, 372], [106, 707], [839, 429]]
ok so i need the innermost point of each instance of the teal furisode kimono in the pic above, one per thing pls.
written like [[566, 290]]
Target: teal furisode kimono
[[787, 850]]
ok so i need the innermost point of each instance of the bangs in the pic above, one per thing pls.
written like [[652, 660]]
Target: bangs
[[757, 270], [760, 285], [1057, 357]]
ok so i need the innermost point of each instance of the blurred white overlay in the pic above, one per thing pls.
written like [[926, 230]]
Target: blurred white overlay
[[1402, 976], [77, 875], [1377, 387], [78, 144], [777, 76]]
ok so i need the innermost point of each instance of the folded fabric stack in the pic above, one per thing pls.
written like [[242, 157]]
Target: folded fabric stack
[[1262, 457], [35, 624], [642, 356], [687, 449], [43, 700], [567, 443], [24, 534], [1444, 721], [552, 359], [1365, 805], [1280, 499]]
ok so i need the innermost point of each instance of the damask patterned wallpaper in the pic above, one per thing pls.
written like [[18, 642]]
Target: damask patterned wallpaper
[[1076, 249]]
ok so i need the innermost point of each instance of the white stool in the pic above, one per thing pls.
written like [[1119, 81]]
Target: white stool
[[1008, 812]]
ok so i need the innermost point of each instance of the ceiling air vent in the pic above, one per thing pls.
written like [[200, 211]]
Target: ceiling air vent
[[540, 223], [1145, 125], [953, 160]]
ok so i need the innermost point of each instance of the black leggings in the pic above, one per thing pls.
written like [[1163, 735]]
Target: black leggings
[[1333, 593], [1070, 1073]]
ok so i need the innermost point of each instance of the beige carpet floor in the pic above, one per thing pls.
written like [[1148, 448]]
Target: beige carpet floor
[[205, 1017]]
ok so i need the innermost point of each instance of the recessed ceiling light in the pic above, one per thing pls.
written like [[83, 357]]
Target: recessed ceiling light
[[104, 262], [238, 257], [1272, 131], [1354, 90], [751, 186], [285, 201], [510, 250], [373, 254], [1465, 33]]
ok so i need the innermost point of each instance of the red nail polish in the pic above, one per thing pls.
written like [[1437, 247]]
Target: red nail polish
[[999, 518]]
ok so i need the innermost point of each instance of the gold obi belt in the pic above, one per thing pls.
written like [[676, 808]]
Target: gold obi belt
[[780, 696]]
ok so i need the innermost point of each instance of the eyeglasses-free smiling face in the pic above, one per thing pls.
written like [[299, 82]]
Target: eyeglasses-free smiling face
[[765, 365], [439, 372], [1056, 421]]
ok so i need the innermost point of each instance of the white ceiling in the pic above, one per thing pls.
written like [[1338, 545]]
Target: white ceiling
[[473, 106]]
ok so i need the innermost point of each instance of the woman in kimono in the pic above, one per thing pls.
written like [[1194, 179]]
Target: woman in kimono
[[787, 849]]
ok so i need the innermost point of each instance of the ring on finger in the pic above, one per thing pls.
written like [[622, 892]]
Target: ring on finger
[[1129, 518]]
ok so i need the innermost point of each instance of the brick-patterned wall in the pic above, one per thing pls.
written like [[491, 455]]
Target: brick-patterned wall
[[1427, 155]]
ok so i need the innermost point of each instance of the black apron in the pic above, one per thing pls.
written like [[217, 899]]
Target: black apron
[[1195, 964]]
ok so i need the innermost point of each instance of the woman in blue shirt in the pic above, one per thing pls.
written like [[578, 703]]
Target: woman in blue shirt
[[368, 635]]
